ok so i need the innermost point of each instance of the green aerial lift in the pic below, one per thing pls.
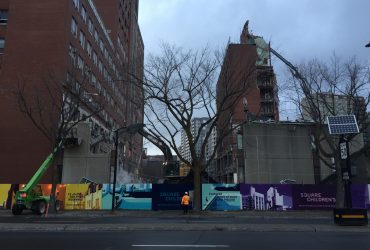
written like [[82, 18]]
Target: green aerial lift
[[31, 196]]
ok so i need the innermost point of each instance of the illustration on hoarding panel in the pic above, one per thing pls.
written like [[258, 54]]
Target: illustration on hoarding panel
[[93, 198], [8, 191], [75, 196], [168, 196], [221, 197], [266, 197], [360, 196], [128, 196], [6, 195], [314, 196]]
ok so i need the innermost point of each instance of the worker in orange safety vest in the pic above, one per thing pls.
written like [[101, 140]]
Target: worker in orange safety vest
[[185, 201]]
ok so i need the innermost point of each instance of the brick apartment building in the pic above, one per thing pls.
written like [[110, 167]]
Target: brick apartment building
[[247, 62], [99, 37]]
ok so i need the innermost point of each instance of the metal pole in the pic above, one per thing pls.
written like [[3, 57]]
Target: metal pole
[[348, 163], [115, 170], [346, 170]]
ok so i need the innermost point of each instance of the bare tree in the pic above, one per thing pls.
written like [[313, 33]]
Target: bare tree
[[54, 107], [330, 89], [180, 86]]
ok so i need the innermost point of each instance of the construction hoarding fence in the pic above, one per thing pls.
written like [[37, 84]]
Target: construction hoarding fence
[[222, 197]]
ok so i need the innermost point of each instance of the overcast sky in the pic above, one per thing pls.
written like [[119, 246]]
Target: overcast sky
[[298, 29]]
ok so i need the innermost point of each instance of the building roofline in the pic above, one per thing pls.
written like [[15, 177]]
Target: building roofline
[[100, 21]]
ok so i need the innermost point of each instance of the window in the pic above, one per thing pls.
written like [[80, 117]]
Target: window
[[76, 4], [96, 36], [100, 67], [87, 72], [95, 58], [74, 27], [89, 49], [106, 53], [80, 63], [101, 45], [2, 44], [3, 17], [110, 61], [82, 39], [90, 26], [93, 79], [98, 87], [84, 14], [105, 74], [77, 87], [72, 53]]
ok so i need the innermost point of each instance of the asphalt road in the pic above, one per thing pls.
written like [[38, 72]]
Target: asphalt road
[[151, 240]]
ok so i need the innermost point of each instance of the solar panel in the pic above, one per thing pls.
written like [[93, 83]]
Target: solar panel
[[343, 124]]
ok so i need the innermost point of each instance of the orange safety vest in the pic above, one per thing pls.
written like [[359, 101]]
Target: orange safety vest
[[185, 200]]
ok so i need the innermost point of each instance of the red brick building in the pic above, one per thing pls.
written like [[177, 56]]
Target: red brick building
[[99, 37], [246, 70]]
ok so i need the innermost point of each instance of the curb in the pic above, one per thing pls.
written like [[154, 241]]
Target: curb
[[181, 227]]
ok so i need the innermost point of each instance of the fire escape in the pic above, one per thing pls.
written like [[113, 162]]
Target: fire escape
[[266, 82]]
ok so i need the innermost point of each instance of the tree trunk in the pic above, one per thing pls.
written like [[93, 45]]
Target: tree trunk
[[197, 202], [56, 179]]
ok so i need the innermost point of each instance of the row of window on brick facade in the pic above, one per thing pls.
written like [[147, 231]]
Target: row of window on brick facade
[[3, 17], [87, 20], [95, 34], [3, 21], [86, 45], [102, 70], [81, 64], [76, 59], [77, 88]]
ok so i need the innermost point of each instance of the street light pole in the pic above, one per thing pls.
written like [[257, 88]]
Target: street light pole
[[132, 129], [115, 169]]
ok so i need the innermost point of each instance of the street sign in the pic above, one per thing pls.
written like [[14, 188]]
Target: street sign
[[343, 124], [343, 151], [345, 176]]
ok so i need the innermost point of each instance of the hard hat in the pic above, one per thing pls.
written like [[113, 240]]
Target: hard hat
[[186, 192]]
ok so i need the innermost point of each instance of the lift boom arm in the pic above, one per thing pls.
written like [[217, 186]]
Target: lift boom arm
[[40, 172]]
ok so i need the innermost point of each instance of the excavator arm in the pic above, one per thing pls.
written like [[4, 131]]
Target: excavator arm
[[139, 128], [159, 143], [305, 86]]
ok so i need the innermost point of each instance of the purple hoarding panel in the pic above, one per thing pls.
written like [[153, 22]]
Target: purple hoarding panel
[[266, 197], [360, 196], [313, 197]]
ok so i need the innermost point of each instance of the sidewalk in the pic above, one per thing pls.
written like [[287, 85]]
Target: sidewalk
[[175, 213], [174, 220]]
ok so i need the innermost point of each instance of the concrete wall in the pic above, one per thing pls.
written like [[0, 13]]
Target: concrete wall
[[274, 152], [78, 162]]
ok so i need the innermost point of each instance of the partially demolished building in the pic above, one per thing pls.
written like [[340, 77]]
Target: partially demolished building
[[247, 70]]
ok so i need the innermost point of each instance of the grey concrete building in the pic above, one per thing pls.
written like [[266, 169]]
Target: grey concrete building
[[274, 152], [79, 162]]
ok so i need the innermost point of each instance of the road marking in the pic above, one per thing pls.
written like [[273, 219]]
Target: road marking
[[208, 221], [58, 221], [209, 246]]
